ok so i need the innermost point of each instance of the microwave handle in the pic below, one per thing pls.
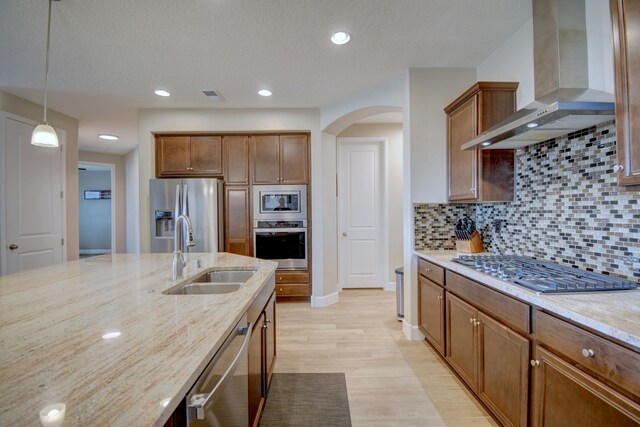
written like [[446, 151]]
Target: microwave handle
[[198, 403]]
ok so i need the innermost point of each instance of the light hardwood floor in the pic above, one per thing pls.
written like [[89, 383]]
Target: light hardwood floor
[[391, 381]]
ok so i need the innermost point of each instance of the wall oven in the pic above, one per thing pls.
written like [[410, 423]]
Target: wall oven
[[282, 241]]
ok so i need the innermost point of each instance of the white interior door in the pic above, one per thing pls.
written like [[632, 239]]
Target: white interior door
[[34, 201], [360, 257]]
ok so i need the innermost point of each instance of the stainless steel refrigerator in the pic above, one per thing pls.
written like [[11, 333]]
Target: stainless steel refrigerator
[[201, 199]]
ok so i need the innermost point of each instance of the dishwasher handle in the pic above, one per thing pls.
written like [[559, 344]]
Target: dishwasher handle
[[198, 403]]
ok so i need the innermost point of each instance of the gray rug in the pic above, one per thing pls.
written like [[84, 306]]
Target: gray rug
[[308, 400]]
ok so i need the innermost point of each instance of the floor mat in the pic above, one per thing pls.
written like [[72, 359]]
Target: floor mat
[[308, 400]]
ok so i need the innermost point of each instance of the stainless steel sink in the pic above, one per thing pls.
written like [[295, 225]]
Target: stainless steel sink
[[207, 288], [224, 276], [213, 281]]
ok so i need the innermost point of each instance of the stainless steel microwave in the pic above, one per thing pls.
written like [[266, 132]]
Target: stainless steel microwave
[[279, 202]]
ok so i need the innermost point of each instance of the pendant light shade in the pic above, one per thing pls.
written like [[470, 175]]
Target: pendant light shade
[[44, 135]]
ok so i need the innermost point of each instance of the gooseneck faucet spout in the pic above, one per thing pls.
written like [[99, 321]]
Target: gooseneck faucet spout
[[178, 261]]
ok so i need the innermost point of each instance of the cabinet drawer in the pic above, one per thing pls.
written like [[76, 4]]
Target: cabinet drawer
[[292, 290], [511, 311], [433, 272], [612, 361], [292, 277]]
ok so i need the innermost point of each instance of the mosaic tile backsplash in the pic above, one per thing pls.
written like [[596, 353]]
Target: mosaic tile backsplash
[[568, 209]]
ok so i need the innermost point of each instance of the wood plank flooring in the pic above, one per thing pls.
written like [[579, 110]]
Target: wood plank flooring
[[391, 381]]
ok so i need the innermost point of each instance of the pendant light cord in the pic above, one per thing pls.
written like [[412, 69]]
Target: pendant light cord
[[46, 62]]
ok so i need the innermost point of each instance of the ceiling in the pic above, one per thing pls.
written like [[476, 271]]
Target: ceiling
[[108, 57]]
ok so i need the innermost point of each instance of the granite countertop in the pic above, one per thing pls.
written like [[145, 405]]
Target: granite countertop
[[615, 314], [52, 321]]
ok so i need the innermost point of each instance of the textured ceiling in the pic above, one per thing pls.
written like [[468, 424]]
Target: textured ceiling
[[107, 57]]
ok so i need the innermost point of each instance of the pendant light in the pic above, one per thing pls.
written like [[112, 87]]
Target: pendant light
[[44, 135]]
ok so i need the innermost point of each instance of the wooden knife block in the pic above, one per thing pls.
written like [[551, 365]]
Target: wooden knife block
[[472, 246]]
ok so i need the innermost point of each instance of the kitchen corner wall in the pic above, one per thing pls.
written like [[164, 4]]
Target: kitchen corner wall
[[568, 209]]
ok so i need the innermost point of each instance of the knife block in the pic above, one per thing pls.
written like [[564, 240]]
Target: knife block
[[472, 246]]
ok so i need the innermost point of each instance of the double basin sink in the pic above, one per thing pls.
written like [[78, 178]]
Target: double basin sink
[[213, 281]]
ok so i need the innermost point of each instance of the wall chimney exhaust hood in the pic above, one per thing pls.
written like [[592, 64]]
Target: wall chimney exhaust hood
[[564, 102]]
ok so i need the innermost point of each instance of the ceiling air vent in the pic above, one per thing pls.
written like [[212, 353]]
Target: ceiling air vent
[[213, 96]]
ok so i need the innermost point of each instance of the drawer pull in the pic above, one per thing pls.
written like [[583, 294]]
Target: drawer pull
[[476, 323], [472, 320], [427, 270], [280, 289], [587, 352], [440, 297], [535, 363]]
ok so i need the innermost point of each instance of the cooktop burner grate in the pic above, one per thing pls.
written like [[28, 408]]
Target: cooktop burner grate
[[543, 276]]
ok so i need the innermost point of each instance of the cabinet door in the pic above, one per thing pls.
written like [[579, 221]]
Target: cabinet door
[[293, 159], [461, 339], [625, 15], [255, 370], [463, 174], [565, 396], [172, 155], [503, 374], [270, 340], [236, 160], [206, 155], [237, 225], [265, 159], [431, 312]]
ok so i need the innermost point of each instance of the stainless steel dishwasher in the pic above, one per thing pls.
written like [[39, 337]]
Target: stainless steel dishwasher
[[220, 396]]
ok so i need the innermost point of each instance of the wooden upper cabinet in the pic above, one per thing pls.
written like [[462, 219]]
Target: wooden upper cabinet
[[266, 159], [280, 159], [480, 175], [173, 155], [625, 15], [188, 156], [236, 159], [293, 159]]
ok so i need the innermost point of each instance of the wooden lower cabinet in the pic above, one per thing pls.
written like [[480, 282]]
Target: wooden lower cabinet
[[462, 351], [431, 313], [564, 396], [292, 285], [269, 341], [237, 224], [491, 358], [256, 397], [503, 371]]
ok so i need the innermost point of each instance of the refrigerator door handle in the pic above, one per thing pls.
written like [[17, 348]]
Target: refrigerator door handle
[[189, 240]]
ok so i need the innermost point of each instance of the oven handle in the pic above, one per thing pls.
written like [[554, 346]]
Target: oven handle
[[279, 230]]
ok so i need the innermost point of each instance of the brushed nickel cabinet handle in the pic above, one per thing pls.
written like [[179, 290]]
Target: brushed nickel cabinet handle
[[618, 168], [587, 352], [427, 270], [535, 363]]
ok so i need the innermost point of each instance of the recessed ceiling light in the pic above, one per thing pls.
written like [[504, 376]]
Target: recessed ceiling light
[[162, 92], [340, 37], [264, 92], [532, 125], [111, 335], [108, 137], [486, 143]]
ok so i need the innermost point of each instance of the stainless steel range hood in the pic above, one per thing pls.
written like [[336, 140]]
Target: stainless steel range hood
[[564, 102]]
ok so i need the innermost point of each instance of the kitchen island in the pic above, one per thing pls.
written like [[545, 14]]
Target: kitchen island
[[55, 324]]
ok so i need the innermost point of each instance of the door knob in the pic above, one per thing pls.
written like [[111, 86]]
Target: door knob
[[344, 234], [13, 247]]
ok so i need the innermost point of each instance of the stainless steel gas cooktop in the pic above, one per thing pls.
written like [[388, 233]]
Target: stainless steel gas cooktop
[[543, 276]]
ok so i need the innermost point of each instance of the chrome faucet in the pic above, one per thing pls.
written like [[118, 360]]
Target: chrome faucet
[[178, 245]]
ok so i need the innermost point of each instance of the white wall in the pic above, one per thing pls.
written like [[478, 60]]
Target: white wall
[[600, 45], [233, 120], [118, 194], [512, 61], [392, 132], [132, 201], [94, 214]]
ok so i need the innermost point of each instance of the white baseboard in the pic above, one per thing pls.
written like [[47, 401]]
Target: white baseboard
[[325, 301], [411, 332], [390, 287], [94, 251]]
